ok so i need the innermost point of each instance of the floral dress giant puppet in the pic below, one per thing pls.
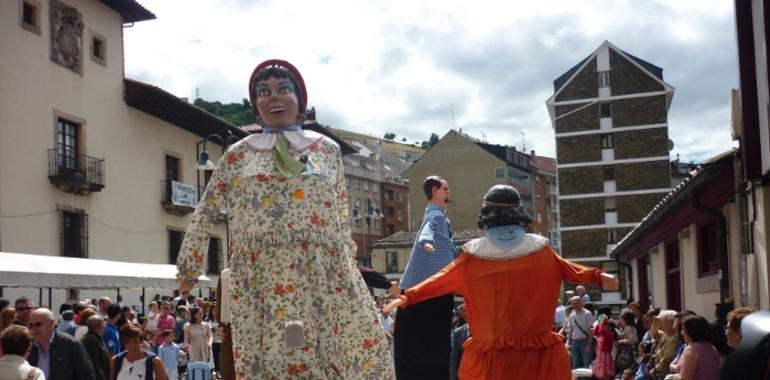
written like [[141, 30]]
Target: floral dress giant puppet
[[509, 279], [299, 307]]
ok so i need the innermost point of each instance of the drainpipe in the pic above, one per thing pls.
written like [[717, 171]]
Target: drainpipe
[[725, 297]]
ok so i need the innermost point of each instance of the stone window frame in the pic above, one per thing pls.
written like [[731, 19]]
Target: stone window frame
[[604, 79], [391, 261], [366, 185], [608, 141], [34, 5], [96, 37], [356, 184], [82, 251], [174, 238]]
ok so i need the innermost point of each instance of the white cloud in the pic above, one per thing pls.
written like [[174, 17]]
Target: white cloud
[[404, 66]]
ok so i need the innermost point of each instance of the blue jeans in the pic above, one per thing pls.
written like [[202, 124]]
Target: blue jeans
[[580, 358]]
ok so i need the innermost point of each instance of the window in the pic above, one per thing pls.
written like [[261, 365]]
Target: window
[[609, 173], [172, 168], [606, 110], [98, 49], [604, 79], [390, 212], [708, 259], [499, 172], [347, 182], [612, 236], [375, 188], [388, 195], [610, 204], [356, 185], [174, 245], [67, 143], [398, 197], [391, 261], [607, 142], [74, 233], [215, 246], [366, 185], [29, 15], [400, 215]]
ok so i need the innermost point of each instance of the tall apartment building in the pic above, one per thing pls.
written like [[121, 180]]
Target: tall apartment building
[[610, 115]]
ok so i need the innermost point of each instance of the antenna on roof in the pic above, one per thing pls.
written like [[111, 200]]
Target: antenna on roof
[[197, 93], [483, 136], [523, 143], [452, 111]]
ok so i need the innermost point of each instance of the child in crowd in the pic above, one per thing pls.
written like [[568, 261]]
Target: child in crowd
[[170, 354], [642, 372]]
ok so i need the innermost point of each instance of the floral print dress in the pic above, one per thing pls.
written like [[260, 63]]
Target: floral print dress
[[300, 309]]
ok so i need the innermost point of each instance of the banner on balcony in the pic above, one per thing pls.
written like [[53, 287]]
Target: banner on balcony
[[183, 194]]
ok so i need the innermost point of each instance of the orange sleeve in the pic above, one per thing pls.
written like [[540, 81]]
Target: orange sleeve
[[577, 273], [446, 281]]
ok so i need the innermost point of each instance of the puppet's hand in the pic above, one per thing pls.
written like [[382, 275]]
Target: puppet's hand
[[394, 290], [428, 247], [392, 305], [609, 281]]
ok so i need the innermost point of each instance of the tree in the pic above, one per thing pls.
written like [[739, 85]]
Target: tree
[[389, 136], [236, 113], [433, 139]]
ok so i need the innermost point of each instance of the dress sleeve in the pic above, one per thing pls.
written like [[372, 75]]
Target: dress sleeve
[[448, 280], [577, 273], [341, 203], [211, 207]]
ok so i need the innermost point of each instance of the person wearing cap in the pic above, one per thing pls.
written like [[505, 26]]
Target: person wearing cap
[[509, 279], [298, 305]]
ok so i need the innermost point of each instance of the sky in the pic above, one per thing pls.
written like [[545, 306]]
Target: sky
[[416, 67]]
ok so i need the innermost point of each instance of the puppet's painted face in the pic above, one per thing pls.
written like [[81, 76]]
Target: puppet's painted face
[[277, 102]]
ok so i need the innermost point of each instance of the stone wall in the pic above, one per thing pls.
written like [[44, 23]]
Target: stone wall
[[581, 212], [583, 148], [627, 78], [639, 111], [581, 180], [643, 175], [632, 208], [583, 120], [584, 85], [584, 243], [641, 143]]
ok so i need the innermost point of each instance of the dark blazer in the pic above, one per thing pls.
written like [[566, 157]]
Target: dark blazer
[[100, 358], [68, 359]]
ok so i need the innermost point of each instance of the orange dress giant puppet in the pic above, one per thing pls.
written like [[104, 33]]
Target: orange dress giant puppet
[[510, 280]]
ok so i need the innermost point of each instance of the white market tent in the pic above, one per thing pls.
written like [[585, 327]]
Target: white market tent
[[40, 271]]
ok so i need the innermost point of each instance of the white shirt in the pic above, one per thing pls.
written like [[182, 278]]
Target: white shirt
[[14, 367], [132, 371], [585, 319]]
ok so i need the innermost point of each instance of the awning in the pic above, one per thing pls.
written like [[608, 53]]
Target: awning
[[40, 271]]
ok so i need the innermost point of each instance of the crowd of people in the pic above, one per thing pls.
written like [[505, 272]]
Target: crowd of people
[[632, 344], [101, 340]]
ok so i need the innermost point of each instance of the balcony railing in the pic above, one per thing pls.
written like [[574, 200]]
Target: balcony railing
[[74, 172], [178, 198]]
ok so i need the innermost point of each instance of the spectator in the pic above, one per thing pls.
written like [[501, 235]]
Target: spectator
[[153, 314], [7, 316], [580, 291], [560, 316], [666, 339], [700, 360], [16, 342], [197, 337], [126, 316], [67, 325], [627, 341], [733, 330], [643, 362], [170, 354], [636, 308], [82, 327], [216, 337], [579, 334], [78, 309], [459, 336], [604, 366], [647, 322], [57, 353], [135, 363], [4, 303], [97, 351], [103, 304], [23, 306], [111, 334], [165, 322], [182, 316]]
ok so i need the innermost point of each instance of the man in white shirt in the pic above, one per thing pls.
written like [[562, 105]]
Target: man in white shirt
[[579, 334]]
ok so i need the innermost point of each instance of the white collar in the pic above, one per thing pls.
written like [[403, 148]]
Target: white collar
[[299, 140], [483, 248]]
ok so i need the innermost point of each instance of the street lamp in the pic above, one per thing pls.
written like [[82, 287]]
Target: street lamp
[[204, 164], [372, 213]]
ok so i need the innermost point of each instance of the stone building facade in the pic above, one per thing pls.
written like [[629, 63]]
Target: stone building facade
[[610, 115]]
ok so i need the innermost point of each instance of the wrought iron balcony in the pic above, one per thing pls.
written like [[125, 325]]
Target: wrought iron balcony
[[75, 173], [178, 198]]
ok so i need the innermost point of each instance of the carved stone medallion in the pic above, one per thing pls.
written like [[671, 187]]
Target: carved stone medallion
[[66, 36]]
